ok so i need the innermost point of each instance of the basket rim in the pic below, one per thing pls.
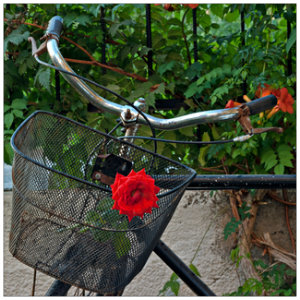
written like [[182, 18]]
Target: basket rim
[[15, 148]]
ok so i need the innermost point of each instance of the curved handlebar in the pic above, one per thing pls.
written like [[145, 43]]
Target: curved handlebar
[[55, 26], [83, 89]]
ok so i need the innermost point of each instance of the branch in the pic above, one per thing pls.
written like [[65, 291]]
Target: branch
[[184, 37], [93, 61], [276, 198], [117, 70], [246, 265], [285, 196], [277, 252]]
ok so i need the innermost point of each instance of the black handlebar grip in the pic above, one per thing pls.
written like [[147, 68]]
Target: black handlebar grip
[[55, 26], [262, 104]]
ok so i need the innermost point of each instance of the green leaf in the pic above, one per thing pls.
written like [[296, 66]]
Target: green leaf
[[174, 34], [194, 269], [279, 169], [166, 67], [6, 108], [291, 41], [94, 9], [205, 20], [8, 153], [217, 9], [141, 90], [8, 120], [19, 104], [287, 162], [204, 149], [231, 227], [160, 89], [234, 254], [236, 152], [290, 272], [215, 132], [194, 70], [288, 292], [16, 37], [121, 243], [192, 89], [269, 158], [150, 100], [205, 137], [232, 16], [83, 19], [244, 211], [43, 77], [187, 131], [171, 287], [260, 263], [72, 18], [113, 29], [17, 113], [174, 286], [285, 155], [174, 276]]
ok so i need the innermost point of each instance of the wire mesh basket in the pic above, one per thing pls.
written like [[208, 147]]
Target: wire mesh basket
[[62, 218]]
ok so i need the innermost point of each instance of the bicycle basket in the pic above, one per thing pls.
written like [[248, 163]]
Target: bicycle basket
[[62, 221]]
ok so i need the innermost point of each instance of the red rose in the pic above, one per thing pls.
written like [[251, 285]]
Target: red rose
[[134, 194]]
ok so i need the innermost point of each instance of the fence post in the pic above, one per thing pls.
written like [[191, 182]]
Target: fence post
[[149, 39]]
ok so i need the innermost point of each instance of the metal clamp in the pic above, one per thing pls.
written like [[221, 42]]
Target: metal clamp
[[43, 47], [129, 116], [244, 113]]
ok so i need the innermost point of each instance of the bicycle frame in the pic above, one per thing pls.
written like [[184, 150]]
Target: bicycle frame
[[163, 124]]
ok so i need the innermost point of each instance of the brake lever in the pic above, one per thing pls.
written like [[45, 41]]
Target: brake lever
[[244, 120], [43, 47]]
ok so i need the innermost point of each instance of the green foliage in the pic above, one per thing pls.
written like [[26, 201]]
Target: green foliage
[[244, 211], [172, 286], [233, 224], [223, 65], [231, 227], [100, 217], [276, 280]]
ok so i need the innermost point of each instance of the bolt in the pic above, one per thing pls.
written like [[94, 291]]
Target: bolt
[[97, 175], [127, 115]]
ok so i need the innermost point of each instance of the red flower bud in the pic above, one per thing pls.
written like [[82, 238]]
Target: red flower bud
[[231, 104], [192, 6]]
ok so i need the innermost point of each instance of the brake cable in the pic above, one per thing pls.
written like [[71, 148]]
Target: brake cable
[[154, 139]]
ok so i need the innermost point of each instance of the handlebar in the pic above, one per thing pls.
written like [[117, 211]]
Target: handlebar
[[55, 27]]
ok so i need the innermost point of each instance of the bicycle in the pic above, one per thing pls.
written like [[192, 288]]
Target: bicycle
[[105, 156]]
